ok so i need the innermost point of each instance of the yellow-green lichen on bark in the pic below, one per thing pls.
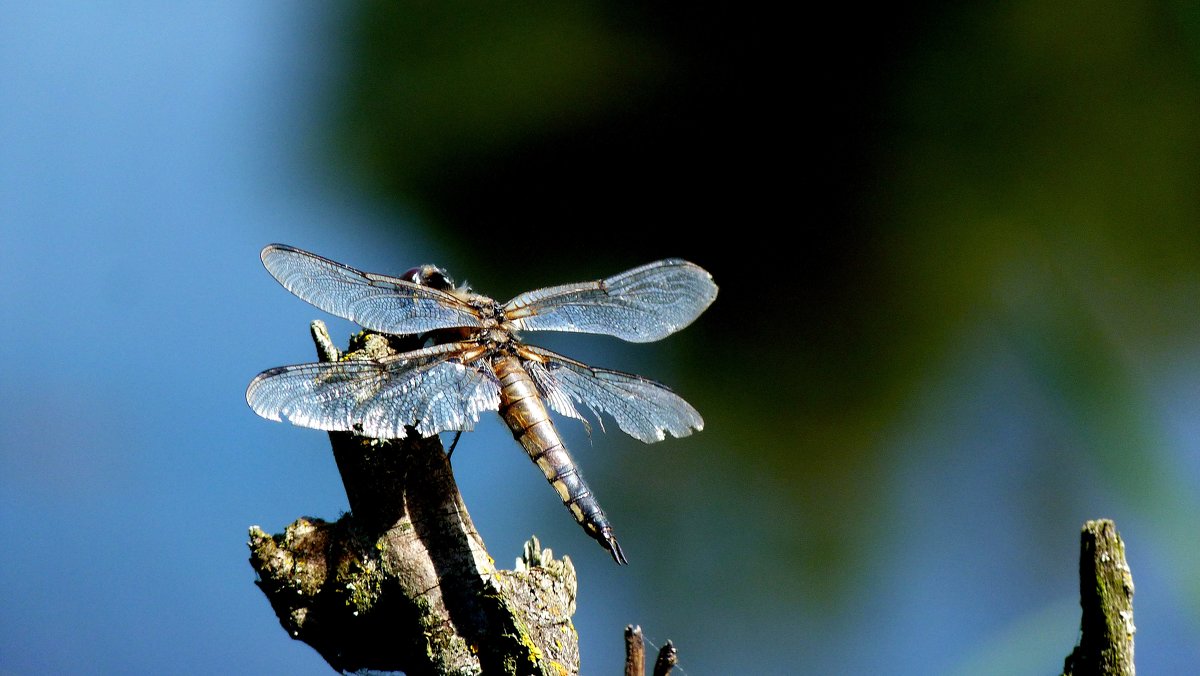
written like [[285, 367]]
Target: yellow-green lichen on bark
[[1106, 598]]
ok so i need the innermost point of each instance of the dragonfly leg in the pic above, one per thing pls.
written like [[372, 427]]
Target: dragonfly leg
[[453, 444]]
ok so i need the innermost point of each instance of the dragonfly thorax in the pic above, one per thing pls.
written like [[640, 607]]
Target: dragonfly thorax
[[496, 337]]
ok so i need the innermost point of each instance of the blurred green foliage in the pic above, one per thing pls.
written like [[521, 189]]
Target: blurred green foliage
[[870, 190]]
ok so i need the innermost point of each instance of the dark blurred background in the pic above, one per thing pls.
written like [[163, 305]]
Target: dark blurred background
[[957, 246]]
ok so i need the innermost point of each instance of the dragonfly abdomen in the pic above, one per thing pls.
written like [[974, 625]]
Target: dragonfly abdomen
[[526, 415]]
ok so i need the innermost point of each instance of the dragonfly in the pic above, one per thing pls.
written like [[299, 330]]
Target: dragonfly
[[473, 360]]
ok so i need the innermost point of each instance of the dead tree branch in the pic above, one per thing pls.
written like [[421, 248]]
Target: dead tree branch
[[635, 654], [635, 651], [403, 582], [1106, 596]]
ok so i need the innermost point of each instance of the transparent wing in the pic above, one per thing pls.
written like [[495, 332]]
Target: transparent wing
[[377, 302], [641, 305], [426, 389], [643, 409]]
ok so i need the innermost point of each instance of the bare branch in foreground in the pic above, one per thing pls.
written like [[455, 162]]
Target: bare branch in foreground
[[1106, 596], [668, 657], [635, 651]]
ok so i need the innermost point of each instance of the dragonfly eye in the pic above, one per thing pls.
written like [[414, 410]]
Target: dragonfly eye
[[429, 275]]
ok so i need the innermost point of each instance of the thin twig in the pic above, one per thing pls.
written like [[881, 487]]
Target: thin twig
[[635, 651], [668, 657]]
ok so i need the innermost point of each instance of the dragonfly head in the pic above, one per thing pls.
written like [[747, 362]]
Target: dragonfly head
[[431, 276]]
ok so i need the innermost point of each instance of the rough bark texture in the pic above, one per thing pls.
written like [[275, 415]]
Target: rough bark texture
[[666, 660], [635, 651], [1106, 596], [403, 582], [635, 654]]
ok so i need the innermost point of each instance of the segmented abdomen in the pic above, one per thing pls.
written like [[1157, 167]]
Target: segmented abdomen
[[526, 416]]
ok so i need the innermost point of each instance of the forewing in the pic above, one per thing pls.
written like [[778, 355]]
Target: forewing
[[377, 302], [642, 408], [427, 389], [640, 305]]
